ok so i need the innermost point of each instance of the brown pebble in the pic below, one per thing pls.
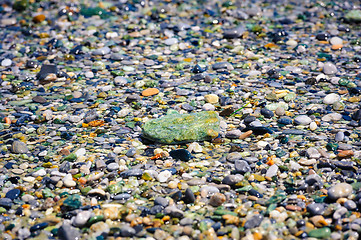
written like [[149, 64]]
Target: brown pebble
[[217, 200], [150, 92], [39, 18], [227, 112], [293, 208], [64, 151], [345, 154], [318, 221], [39, 99], [246, 134]]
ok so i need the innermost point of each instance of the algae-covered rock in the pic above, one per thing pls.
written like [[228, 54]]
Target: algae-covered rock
[[177, 128]]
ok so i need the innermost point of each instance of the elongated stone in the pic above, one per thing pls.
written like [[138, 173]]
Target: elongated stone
[[322, 233], [177, 128]]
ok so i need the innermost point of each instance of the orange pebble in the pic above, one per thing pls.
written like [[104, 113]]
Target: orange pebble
[[150, 92], [345, 153], [82, 180], [270, 162], [39, 18], [336, 47], [96, 123], [257, 236], [7, 120]]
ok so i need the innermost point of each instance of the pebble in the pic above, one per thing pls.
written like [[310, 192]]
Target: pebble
[[329, 68], [302, 120], [339, 190], [331, 98], [179, 120], [242, 167], [82, 218], [217, 199], [19, 147]]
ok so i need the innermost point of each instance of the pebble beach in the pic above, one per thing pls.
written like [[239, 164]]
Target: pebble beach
[[162, 120]]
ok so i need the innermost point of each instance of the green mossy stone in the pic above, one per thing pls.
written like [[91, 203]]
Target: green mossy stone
[[179, 128], [72, 202], [322, 233]]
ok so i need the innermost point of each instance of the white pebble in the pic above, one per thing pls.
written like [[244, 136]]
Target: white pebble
[[331, 98], [80, 152], [6, 62], [313, 126], [164, 176], [336, 41]]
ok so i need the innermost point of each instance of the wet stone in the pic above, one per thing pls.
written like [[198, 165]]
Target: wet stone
[[175, 128], [13, 194], [19, 147], [241, 167], [45, 70], [339, 190]]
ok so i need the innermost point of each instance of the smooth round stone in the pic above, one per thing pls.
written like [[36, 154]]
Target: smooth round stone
[[164, 176], [329, 68], [112, 166], [208, 107], [280, 111], [267, 113], [150, 92], [339, 190], [81, 218], [313, 126], [302, 120], [102, 51], [285, 120], [331, 98], [6, 62], [233, 134], [6, 202], [39, 99], [272, 171], [120, 81], [171, 41], [211, 98], [161, 201], [336, 41], [217, 200], [234, 32], [241, 167], [313, 153], [13, 194], [253, 221], [232, 179], [122, 196], [350, 205], [339, 136], [315, 209], [68, 232], [332, 117], [39, 226], [89, 74], [189, 196], [19, 147], [181, 154], [233, 156]]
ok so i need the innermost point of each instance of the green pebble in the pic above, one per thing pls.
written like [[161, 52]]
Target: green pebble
[[47, 193], [95, 219], [290, 97], [115, 188], [72, 202], [224, 212], [178, 128], [2, 210], [322, 233], [70, 158]]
